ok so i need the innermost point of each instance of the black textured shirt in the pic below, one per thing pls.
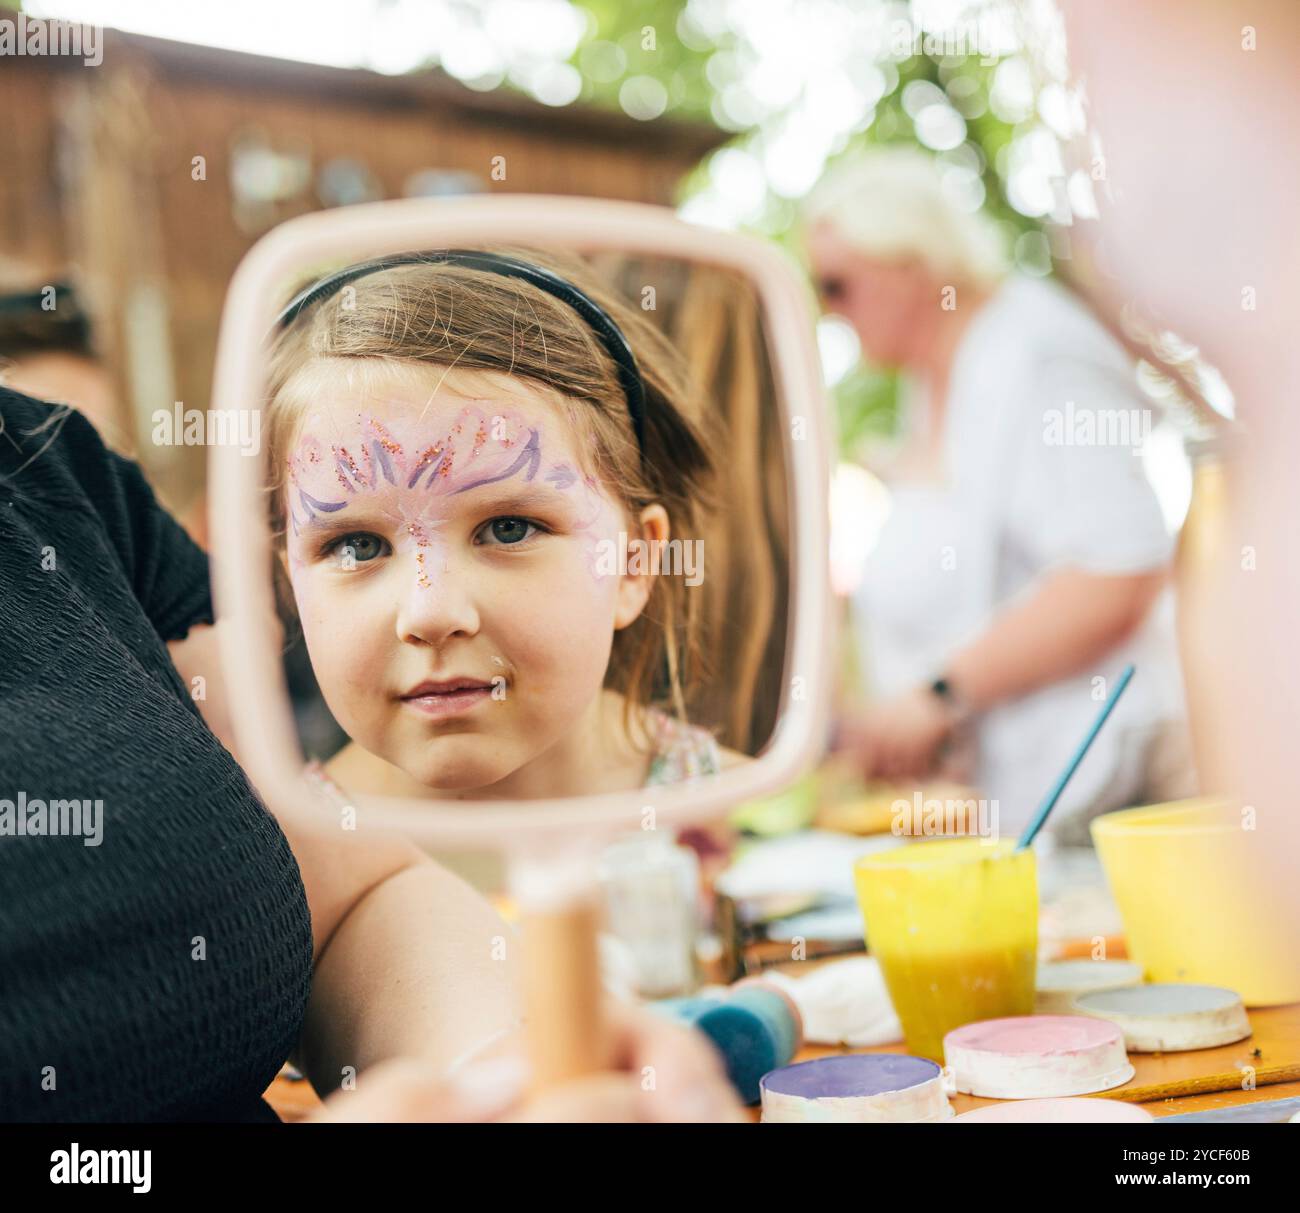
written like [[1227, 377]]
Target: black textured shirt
[[163, 973]]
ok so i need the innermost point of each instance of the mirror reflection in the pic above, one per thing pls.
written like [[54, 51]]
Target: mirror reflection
[[530, 521]]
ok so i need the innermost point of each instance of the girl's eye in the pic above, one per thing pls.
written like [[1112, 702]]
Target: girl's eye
[[505, 532], [360, 548]]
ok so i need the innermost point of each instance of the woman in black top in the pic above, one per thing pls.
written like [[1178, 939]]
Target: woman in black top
[[167, 970]]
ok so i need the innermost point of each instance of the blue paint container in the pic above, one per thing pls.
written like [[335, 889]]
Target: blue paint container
[[756, 1029]]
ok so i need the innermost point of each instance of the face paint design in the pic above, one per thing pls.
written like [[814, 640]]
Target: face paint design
[[475, 537], [476, 450]]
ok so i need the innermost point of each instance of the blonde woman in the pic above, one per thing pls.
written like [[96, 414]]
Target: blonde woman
[[1024, 557]]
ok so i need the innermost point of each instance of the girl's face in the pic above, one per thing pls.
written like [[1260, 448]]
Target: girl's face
[[450, 564]]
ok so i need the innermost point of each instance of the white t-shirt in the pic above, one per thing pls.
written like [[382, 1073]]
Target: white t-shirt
[[1036, 382]]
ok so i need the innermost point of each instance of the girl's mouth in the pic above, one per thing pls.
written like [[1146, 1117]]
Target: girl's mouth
[[450, 697]]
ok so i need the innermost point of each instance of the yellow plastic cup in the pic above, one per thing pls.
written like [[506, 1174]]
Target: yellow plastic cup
[[1180, 873], [954, 924]]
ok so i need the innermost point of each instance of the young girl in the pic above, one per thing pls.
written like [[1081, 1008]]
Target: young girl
[[465, 451]]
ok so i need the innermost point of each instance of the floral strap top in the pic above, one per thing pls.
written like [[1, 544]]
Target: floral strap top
[[682, 752]]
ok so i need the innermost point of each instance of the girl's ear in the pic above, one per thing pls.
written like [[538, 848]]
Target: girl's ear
[[644, 552]]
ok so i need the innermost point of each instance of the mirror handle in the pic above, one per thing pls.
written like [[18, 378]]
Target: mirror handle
[[566, 1031], [557, 892]]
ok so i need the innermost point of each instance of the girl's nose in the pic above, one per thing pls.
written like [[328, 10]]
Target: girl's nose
[[436, 604]]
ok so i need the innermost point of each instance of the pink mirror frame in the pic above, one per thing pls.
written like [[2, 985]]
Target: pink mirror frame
[[265, 734]]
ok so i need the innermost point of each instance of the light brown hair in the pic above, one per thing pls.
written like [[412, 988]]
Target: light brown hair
[[713, 318]]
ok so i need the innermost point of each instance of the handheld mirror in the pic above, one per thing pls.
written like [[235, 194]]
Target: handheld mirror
[[531, 549]]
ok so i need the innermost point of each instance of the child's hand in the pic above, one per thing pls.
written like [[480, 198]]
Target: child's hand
[[676, 1070], [666, 1072]]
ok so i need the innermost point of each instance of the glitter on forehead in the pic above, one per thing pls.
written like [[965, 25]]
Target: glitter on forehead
[[430, 455], [385, 439], [479, 446], [344, 464]]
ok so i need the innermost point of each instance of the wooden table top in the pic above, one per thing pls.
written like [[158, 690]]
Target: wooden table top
[[1166, 1083], [1195, 1081]]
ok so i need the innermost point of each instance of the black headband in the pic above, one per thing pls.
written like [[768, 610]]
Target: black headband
[[600, 322]]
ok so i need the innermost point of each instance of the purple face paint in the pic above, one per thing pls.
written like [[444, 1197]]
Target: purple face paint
[[410, 473], [526, 463], [447, 466], [562, 476], [374, 459]]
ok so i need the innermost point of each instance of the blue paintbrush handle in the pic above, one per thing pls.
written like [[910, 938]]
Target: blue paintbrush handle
[[1049, 802]]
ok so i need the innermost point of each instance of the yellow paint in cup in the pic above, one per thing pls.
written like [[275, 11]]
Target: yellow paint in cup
[[954, 924]]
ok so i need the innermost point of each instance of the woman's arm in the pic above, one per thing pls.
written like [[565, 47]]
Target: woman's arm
[[1067, 624]]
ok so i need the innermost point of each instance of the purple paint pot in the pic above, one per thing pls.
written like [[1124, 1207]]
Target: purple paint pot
[[857, 1088]]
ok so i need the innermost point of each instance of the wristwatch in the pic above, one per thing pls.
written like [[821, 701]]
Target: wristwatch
[[944, 691]]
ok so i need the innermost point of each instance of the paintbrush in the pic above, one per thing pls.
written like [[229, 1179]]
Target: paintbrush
[[1049, 801]]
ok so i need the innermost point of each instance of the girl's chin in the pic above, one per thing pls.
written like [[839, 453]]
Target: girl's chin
[[451, 783], [460, 773]]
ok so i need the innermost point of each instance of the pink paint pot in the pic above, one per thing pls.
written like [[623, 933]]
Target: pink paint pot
[[1036, 1057]]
